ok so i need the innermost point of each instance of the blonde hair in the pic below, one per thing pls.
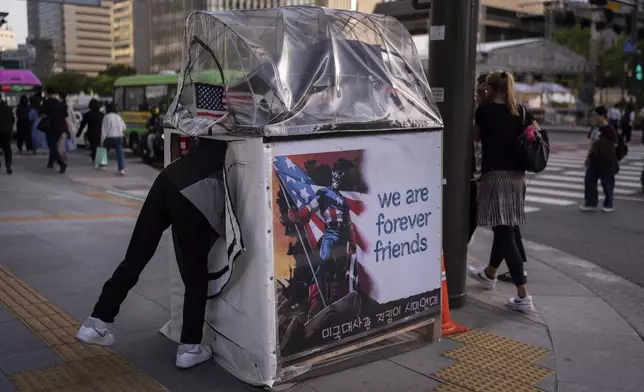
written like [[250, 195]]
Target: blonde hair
[[502, 82]]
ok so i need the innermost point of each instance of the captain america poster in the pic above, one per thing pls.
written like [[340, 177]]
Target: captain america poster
[[356, 241]]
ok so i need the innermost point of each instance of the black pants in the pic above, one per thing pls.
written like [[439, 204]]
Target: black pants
[[54, 154], [504, 247], [474, 223], [23, 138], [626, 133], [5, 145], [193, 236]]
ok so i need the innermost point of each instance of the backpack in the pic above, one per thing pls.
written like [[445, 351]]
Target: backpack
[[621, 150]]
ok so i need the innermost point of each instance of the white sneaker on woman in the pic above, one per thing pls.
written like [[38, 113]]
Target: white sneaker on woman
[[189, 355], [479, 275], [95, 331], [518, 303]]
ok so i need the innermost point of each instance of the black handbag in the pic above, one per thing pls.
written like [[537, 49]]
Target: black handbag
[[534, 154]]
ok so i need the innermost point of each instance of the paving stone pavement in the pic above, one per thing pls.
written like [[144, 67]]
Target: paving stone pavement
[[61, 239]]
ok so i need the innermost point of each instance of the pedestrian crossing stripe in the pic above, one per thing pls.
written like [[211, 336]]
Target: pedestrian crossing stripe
[[562, 183]]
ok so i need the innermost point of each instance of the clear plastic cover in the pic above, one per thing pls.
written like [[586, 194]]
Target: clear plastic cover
[[301, 70]]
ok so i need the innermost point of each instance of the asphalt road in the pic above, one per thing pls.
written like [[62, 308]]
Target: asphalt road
[[613, 241]]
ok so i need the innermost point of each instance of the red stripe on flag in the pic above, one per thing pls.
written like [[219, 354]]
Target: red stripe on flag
[[319, 223], [356, 206], [208, 114], [310, 236], [333, 214], [360, 239]]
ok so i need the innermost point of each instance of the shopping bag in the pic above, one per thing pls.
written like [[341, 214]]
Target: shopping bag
[[70, 144], [39, 139], [101, 156]]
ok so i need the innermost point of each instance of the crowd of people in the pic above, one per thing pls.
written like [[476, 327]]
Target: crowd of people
[[48, 123]]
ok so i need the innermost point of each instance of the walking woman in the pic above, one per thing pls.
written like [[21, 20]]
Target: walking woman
[[498, 125], [112, 129], [483, 96], [93, 120], [23, 125]]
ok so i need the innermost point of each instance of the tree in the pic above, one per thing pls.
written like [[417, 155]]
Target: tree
[[118, 70], [611, 59], [574, 38], [104, 82], [68, 82]]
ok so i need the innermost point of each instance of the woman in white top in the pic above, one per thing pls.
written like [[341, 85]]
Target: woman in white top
[[112, 130]]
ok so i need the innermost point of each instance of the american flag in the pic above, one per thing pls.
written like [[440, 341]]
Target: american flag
[[302, 189], [213, 101]]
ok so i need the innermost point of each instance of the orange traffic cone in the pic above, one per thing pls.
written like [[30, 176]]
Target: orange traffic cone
[[448, 326]]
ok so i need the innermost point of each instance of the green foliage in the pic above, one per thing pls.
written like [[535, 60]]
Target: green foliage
[[611, 60], [71, 82], [68, 82], [118, 70], [574, 38], [104, 82]]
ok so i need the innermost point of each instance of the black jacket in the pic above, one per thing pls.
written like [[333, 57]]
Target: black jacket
[[6, 119], [93, 121]]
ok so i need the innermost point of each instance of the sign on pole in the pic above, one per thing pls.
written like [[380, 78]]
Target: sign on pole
[[629, 46]]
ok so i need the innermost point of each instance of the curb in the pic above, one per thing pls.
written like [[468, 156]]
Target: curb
[[624, 297]]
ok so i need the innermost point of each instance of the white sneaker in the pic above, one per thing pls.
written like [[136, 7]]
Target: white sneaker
[[584, 207], [95, 331], [479, 275], [518, 303], [608, 209], [121, 172], [189, 355]]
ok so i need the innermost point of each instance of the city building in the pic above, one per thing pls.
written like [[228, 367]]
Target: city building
[[22, 57], [80, 36], [7, 39], [130, 30], [499, 20], [167, 22]]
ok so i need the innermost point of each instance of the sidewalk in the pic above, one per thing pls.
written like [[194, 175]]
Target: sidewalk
[[62, 236]]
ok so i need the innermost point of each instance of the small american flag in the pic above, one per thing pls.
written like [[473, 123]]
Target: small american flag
[[212, 101]]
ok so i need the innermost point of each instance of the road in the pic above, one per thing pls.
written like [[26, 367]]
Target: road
[[612, 241]]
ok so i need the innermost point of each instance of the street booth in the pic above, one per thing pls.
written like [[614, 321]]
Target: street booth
[[333, 182]]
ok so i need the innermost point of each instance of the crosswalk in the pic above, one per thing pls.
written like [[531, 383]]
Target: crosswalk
[[562, 183]]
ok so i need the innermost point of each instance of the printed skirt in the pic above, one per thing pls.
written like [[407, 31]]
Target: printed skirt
[[502, 198]]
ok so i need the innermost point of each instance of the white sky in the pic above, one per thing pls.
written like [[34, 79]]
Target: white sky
[[17, 18]]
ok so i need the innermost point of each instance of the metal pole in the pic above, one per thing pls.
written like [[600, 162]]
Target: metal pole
[[452, 54], [631, 86], [635, 21]]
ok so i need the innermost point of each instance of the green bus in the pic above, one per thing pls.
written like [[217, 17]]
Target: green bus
[[136, 95]]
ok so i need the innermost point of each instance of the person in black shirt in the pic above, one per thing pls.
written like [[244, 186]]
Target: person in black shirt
[[93, 121], [23, 125], [6, 130], [483, 96], [601, 162], [498, 125], [54, 124]]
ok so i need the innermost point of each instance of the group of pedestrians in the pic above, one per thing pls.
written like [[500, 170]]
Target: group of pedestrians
[[104, 130], [48, 123]]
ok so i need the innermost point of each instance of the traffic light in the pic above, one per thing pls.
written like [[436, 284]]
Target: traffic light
[[639, 72]]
